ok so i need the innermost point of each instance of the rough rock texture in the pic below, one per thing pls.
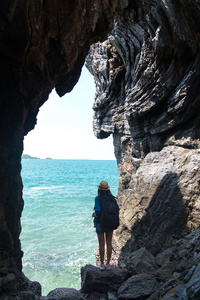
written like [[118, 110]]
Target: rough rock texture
[[94, 279], [163, 200], [174, 274], [138, 287], [141, 262], [64, 293], [148, 83], [147, 80], [43, 45]]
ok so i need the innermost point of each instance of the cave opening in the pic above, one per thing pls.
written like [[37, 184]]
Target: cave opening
[[64, 126], [60, 184]]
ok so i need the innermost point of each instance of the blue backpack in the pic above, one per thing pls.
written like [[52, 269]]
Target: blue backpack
[[109, 216]]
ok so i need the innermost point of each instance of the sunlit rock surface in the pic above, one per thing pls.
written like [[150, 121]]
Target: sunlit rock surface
[[147, 80], [148, 83]]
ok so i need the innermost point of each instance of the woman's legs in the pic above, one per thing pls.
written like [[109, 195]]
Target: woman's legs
[[109, 246], [101, 246]]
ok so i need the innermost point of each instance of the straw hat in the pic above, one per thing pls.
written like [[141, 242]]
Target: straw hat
[[103, 186]]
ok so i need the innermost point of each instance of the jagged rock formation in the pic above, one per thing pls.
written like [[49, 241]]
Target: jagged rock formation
[[91, 278], [43, 45], [172, 274], [147, 80]]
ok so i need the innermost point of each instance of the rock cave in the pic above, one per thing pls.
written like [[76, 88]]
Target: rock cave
[[145, 58]]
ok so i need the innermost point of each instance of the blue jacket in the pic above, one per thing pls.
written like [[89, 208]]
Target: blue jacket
[[97, 209]]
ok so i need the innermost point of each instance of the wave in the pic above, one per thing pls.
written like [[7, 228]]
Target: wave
[[47, 187], [58, 235]]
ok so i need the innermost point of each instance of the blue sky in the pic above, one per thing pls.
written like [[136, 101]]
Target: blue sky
[[64, 126]]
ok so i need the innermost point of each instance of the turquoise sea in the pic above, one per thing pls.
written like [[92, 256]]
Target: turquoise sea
[[58, 236]]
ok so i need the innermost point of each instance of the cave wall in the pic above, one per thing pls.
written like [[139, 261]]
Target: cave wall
[[148, 83], [147, 80], [43, 45]]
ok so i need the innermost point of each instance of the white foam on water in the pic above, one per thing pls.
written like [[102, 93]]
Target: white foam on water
[[58, 236]]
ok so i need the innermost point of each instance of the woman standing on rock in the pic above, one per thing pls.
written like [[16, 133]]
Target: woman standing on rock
[[106, 219]]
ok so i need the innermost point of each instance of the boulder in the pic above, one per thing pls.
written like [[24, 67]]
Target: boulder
[[138, 287], [94, 279], [65, 294], [35, 287], [26, 295], [165, 257], [141, 261], [166, 271]]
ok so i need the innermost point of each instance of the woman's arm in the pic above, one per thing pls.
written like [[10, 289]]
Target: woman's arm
[[97, 207]]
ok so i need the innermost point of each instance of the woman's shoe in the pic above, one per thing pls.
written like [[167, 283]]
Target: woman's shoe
[[107, 266], [101, 267]]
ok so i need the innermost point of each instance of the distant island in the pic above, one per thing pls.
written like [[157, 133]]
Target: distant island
[[26, 156]]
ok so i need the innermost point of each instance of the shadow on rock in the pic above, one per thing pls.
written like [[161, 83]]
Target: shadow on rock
[[165, 219]]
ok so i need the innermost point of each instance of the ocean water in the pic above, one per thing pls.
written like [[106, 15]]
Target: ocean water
[[58, 236]]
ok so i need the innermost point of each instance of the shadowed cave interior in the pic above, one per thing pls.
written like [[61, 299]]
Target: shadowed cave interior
[[145, 61]]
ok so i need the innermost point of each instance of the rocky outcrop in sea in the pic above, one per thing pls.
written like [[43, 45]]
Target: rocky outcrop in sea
[[145, 59]]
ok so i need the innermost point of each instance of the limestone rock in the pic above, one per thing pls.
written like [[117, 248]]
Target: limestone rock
[[166, 271], [26, 295], [35, 287], [147, 81], [142, 97], [65, 294], [138, 287], [179, 282], [43, 46], [163, 201], [165, 257], [141, 262], [147, 104], [193, 286], [147, 97], [94, 279]]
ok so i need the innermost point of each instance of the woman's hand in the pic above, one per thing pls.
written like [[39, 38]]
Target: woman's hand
[[93, 215]]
